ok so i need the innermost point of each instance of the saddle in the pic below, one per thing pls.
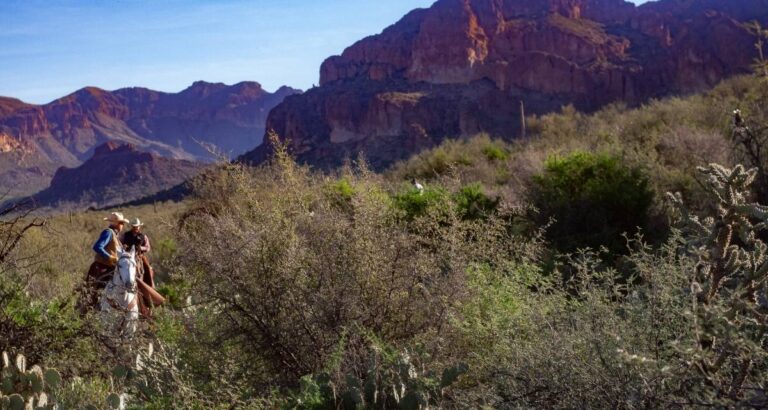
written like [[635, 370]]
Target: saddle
[[99, 275]]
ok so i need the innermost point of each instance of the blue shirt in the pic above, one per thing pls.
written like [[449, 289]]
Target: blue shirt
[[100, 246]]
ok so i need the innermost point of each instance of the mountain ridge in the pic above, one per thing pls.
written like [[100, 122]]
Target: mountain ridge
[[182, 125], [116, 173]]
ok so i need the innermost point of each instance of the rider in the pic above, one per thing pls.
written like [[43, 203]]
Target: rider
[[138, 239], [106, 255], [135, 237]]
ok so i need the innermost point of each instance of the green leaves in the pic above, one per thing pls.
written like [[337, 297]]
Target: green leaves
[[472, 203], [593, 199], [415, 203]]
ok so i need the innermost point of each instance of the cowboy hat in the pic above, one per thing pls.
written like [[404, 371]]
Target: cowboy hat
[[116, 217], [136, 222]]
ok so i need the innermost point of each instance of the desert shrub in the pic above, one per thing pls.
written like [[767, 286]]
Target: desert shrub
[[340, 193], [478, 158], [593, 199], [687, 333], [473, 203], [415, 203], [174, 292], [595, 350], [495, 153], [286, 275]]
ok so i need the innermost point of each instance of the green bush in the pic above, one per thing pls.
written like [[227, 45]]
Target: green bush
[[495, 153], [593, 199], [472, 203], [341, 193], [415, 203]]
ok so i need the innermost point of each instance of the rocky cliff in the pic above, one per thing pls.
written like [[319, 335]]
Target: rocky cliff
[[115, 174], [35, 140], [463, 66]]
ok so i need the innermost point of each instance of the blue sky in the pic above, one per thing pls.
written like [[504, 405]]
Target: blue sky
[[50, 48]]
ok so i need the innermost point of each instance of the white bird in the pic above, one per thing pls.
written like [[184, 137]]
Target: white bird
[[418, 186]]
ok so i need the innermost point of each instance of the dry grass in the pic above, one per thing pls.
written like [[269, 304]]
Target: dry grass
[[62, 250]]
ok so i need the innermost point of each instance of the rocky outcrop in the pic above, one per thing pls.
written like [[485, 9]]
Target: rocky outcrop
[[463, 66], [115, 174], [191, 124]]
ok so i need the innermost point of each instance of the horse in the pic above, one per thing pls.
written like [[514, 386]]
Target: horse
[[119, 302]]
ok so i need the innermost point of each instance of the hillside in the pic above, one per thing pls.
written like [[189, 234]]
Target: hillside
[[117, 173], [35, 140], [669, 138], [463, 67]]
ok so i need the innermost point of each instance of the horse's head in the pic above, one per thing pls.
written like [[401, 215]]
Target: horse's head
[[126, 266]]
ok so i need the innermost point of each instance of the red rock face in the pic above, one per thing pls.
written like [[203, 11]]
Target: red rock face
[[477, 59], [182, 126]]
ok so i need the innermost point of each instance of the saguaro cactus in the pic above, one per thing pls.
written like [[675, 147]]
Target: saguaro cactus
[[731, 274]]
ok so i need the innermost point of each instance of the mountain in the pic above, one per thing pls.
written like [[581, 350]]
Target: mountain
[[115, 174], [463, 67], [35, 140]]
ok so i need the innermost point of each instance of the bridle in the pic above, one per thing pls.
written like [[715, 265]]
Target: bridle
[[128, 288]]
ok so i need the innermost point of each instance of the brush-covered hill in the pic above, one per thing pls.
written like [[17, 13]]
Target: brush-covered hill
[[666, 138]]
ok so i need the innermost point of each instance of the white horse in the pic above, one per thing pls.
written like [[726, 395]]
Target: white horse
[[120, 300]]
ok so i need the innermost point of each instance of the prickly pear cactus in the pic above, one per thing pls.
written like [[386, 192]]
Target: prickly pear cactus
[[26, 388], [390, 381], [728, 287]]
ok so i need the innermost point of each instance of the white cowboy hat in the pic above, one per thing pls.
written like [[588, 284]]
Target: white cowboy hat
[[116, 217], [136, 222]]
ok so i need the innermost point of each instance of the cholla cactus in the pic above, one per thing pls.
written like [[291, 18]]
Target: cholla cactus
[[22, 388], [731, 275], [750, 141]]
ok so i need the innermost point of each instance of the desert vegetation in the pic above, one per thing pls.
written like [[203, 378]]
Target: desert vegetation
[[553, 272]]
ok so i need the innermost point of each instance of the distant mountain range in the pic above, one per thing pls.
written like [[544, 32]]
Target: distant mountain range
[[35, 140], [117, 173], [463, 67]]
